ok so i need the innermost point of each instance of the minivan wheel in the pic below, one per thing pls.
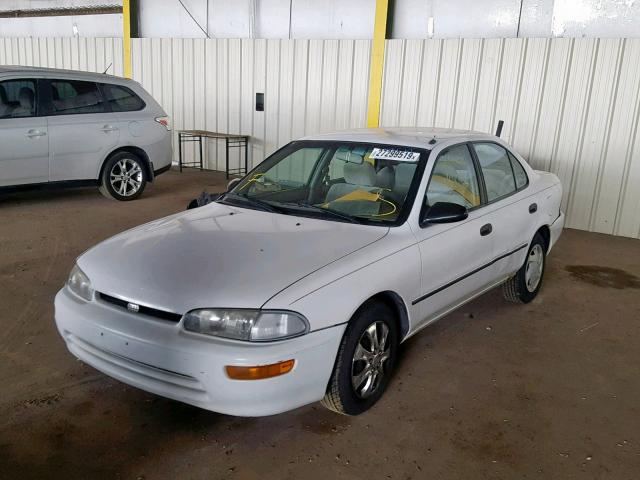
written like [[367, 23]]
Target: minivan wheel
[[526, 283], [123, 177], [365, 361]]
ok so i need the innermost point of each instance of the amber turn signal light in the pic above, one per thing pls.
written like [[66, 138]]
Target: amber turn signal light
[[258, 372]]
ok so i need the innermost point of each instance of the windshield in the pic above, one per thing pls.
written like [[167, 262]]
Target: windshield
[[364, 183]]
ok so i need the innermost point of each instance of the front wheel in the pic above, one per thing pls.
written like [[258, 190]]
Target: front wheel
[[365, 360], [526, 283], [123, 177]]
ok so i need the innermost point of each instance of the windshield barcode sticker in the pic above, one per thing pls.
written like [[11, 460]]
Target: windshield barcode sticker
[[394, 154]]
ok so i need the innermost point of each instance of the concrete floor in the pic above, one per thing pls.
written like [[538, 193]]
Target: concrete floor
[[546, 390]]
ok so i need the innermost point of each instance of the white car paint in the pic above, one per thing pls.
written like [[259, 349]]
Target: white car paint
[[219, 256]]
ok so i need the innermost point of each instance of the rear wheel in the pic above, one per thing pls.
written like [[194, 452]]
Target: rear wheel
[[526, 283], [365, 360], [123, 177]]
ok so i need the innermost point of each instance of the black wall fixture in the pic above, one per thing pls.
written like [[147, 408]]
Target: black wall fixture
[[259, 102]]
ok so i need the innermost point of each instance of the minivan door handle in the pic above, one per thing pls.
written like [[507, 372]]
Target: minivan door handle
[[486, 229], [533, 208], [35, 133], [109, 128]]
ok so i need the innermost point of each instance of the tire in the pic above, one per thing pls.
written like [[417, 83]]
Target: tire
[[342, 396], [124, 177], [523, 287]]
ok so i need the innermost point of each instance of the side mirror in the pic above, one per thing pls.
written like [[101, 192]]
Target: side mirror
[[232, 183], [444, 212], [204, 199]]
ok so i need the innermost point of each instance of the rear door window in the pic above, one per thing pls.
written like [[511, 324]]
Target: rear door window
[[121, 99], [518, 172], [18, 98], [69, 97]]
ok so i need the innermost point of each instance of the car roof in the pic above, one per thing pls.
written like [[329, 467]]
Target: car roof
[[53, 72], [427, 137]]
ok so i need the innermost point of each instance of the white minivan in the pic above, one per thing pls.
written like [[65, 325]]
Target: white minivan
[[63, 127]]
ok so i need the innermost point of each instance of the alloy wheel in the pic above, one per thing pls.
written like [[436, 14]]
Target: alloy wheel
[[533, 270], [126, 177], [369, 359]]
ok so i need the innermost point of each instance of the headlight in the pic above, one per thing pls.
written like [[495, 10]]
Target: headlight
[[80, 284], [248, 325]]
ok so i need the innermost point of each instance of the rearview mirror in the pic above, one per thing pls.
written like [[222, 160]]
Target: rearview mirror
[[444, 212]]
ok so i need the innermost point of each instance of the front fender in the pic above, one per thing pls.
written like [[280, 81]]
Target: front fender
[[332, 295]]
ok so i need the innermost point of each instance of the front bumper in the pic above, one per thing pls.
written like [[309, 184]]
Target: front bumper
[[160, 357]]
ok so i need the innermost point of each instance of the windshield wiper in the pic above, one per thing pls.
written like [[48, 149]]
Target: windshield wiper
[[287, 207], [269, 207], [327, 211]]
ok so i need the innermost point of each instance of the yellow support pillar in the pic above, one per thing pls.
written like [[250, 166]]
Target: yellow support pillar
[[126, 37], [377, 63]]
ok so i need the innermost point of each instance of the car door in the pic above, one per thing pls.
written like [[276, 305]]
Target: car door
[[454, 256], [24, 152], [509, 206], [82, 132]]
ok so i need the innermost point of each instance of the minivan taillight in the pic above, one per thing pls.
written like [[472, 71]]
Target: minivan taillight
[[164, 121]]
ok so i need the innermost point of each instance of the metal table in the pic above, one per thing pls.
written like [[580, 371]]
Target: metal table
[[231, 141]]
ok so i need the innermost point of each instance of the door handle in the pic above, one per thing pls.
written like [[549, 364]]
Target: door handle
[[35, 133], [486, 229], [533, 208], [109, 128]]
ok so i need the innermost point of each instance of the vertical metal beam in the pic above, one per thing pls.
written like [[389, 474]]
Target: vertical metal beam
[[126, 37], [377, 62]]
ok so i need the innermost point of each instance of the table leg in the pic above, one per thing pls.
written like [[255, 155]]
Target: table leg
[[180, 151], [246, 156], [226, 149]]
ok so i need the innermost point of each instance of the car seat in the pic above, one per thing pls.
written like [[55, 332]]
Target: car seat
[[386, 177], [357, 177]]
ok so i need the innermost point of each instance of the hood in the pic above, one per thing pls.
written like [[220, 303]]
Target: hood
[[218, 256]]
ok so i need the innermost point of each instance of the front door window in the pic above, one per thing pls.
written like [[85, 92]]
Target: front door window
[[454, 179], [18, 98]]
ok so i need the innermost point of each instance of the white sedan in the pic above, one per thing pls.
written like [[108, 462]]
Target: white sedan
[[300, 283]]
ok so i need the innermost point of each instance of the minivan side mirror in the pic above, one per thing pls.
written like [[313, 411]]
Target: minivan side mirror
[[444, 212]]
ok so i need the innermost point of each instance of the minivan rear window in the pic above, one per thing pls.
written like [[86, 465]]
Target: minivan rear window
[[121, 99], [70, 97]]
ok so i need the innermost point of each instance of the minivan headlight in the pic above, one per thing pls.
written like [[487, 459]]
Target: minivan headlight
[[248, 325], [80, 284]]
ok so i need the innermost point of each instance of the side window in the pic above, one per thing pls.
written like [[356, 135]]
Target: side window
[[454, 179], [121, 99], [18, 98], [496, 169], [518, 172], [72, 97]]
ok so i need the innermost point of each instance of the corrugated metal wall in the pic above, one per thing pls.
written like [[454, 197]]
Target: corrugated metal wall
[[89, 54], [309, 86], [570, 106]]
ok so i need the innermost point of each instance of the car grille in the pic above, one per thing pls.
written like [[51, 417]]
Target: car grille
[[152, 312]]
